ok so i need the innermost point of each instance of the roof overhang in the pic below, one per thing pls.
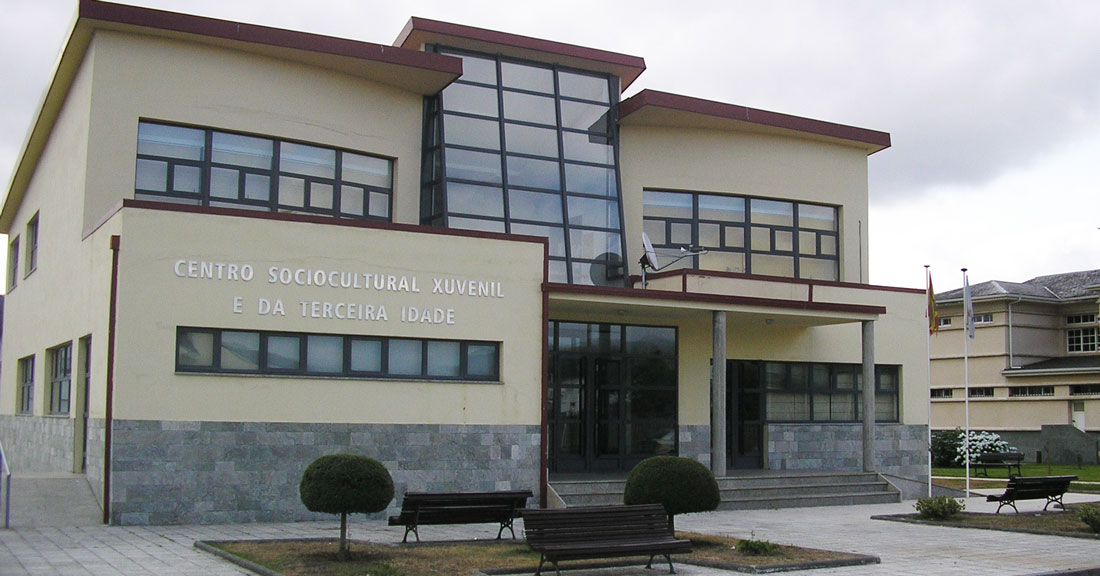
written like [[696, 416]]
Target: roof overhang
[[421, 31], [415, 71], [656, 108]]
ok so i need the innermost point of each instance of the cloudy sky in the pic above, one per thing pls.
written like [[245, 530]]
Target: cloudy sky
[[993, 105]]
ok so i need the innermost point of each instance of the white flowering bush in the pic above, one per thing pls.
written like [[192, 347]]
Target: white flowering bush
[[980, 443]]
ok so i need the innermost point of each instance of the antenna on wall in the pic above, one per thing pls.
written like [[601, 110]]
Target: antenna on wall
[[649, 260]]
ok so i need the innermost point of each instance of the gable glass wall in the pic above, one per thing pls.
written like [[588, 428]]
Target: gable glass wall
[[529, 148]]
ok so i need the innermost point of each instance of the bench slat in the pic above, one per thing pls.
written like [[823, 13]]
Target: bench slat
[[460, 508]]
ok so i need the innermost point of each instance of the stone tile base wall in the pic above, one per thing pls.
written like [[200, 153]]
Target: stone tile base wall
[[222, 472], [94, 471], [695, 443], [36, 444], [900, 450]]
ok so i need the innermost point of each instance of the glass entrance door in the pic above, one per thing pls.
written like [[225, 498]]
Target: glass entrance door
[[744, 415]]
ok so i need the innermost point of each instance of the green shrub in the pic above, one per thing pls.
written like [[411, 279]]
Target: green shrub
[[945, 447], [682, 485], [754, 547], [1090, 514], [939, 507], [345, 484]]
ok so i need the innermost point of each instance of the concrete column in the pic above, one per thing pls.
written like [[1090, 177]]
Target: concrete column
[[868, 396], [718, 397]]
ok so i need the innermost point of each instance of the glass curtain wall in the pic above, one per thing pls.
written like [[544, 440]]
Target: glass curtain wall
[[528, 148]]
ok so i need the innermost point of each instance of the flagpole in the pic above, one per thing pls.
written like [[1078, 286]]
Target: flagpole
[[967, 323], [928, 354]]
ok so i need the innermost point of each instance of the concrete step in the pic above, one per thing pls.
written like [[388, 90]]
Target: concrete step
[[809, 501], [52, 500]]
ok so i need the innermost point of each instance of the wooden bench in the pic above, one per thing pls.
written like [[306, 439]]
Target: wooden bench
[[602, 532], [1007, 460], [1033, 488], [460, 508]]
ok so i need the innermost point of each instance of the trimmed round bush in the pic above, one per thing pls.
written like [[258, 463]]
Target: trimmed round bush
[[1090, 515], [939, 507], [345, 484], [681, 484]]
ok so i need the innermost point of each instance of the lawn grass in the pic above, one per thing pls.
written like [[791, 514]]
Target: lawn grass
[[320, 557], [998, 476], [1057, 522]]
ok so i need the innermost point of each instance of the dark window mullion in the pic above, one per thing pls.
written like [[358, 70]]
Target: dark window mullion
[[505, 191], [566, 236], [207, 167]]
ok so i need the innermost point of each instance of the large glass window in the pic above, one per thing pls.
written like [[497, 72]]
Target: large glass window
[[13, 263], [205, 167], [746, 235], [26, 385], [212, 350], [32, 245], [528, 148], [1082, 334], [61, 369], [825, 392]]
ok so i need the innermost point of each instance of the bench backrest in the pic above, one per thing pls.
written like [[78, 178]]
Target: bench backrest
[[595, 524], [1041, 486], [998, 457], [516, 498]]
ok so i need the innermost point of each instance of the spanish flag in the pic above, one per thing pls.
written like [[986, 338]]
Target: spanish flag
[[933, 316]]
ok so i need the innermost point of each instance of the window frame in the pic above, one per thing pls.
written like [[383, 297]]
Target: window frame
[[61, 373], [13, 263], [25, 401], [275, 173], [1036, 391], [844, 382], [984, 392], [30, 263], [346, 371]]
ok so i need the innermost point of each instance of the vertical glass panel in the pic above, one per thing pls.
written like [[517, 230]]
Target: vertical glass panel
[[186, 179], [571, 441], [554, 233], [525, 205], [652, 438], [557, 271], [583, 116], [224, 183], [533, 173], [405, 357], [469, 165], [710, 235], [324, 354], [240, 351], [734, 236], [769, 265], [571, 336], [151, 175], [444, 359], [170, 141], [240, 150], [828, 245], [817, 269], [531, 140], [530, 108], [320, 195], [583, 86], [481, 361], [772, 212], [589, 244], [593, 180], [651, 340], [593, 212], [807, 243], [723, 261], [571, 402], [886, 408], [257, 187], [366, 355], [471, 99], [666, 205], [655, 229], [476, 69], [475, 224], [784, 241], [195, 349], [307, 160], [366, 170], [472, 199], [817, 217], [527, 77], [721, 208], [475, 132], [651, 404], [791, 407], [588, 148], [292, 192], [607, 438], [284, 352], [351, 200], [819, 377], [680, 234], [380, 205], [761, 239]]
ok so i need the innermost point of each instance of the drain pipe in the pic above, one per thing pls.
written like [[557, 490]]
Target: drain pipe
[[109, 411]]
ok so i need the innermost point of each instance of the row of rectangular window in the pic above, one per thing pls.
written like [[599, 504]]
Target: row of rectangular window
[[1022, 391], [819, 392], [31, 262], [284, 353], [216, 168], [60, 383]]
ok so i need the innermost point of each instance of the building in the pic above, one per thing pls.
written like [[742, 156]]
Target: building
[[1034, 366], [233, 249]]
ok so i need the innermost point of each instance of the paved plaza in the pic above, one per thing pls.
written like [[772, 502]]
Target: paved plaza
[[903, 548]]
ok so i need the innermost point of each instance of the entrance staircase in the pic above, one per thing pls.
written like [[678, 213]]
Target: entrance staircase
[[754, 492]]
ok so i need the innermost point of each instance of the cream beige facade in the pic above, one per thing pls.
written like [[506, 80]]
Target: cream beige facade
[[1032, 367], [233, 249]]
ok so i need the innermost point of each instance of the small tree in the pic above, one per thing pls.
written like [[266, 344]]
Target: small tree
[[345, 484], [682, 485]]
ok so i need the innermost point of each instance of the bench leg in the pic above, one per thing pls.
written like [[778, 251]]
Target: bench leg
[[671, 570], [1008, 503], [1055, 500], [506, 524], [412, 529]]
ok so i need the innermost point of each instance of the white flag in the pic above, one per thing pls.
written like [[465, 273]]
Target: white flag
[[968, 307]]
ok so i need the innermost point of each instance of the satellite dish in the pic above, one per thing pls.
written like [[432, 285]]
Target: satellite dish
[[607, 270], [650, 258]]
